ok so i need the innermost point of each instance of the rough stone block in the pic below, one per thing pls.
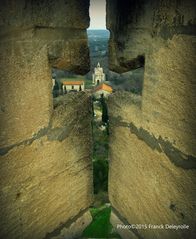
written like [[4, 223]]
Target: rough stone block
[[48, 181], [25, 98], [150, 189]]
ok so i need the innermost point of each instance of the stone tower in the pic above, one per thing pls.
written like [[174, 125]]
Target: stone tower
[[98, 75]]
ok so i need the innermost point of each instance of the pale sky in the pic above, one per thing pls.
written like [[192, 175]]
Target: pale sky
[[97, 13]]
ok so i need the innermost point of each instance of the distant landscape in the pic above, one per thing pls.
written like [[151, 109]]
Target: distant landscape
[[98, 44]]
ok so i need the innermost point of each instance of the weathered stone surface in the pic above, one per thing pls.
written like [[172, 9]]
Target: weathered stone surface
[[76, 228], [49, 181], [46, 171], [59, 13], [33, 39], [169, 100], [121, 227], [135, 24], [152, 145], [153, 186], [76, 51], [25, 90]]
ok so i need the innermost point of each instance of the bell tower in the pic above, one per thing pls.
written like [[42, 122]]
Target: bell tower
[[98, 75]]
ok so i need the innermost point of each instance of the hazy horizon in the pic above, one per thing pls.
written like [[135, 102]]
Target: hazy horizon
[[97, 29], [97, 12]]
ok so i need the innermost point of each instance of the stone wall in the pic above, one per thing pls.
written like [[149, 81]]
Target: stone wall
[[45, 146], [34, 38], [47, 180], [152, 145]]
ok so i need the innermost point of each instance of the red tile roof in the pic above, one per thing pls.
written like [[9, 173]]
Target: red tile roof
[[81, 82], [104, 87]]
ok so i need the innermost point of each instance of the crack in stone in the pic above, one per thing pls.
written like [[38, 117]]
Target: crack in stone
[[125, 222], [67, 224], [177, 157], [42, 132], [53, 134]]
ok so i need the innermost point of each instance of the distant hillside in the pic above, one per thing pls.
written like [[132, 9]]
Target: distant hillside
[[98, 45], [98, 33]]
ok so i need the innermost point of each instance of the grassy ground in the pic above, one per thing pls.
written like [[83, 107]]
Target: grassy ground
[[100, 226]]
